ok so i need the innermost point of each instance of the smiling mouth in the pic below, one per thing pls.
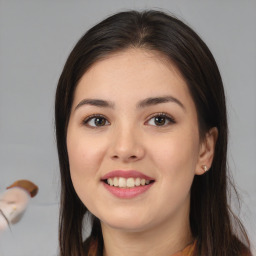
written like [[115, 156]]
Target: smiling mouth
[[121, 182]]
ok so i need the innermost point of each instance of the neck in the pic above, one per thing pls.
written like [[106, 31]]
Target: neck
[[167, 238]]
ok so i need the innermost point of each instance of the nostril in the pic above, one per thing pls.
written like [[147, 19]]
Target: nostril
[[131, 157]]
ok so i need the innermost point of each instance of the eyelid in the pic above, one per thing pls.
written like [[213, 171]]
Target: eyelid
[[167, 116], [88, 118]]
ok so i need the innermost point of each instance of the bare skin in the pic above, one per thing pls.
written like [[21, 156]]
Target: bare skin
[[115, 125]]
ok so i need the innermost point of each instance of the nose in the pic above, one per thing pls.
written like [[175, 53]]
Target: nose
[[127, 145]]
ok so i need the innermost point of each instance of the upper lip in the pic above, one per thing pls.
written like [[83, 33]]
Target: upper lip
[[126, 174]]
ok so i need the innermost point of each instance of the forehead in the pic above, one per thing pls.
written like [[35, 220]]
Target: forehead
[[132, 74]]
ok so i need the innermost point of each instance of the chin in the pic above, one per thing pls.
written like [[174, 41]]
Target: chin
[[127, 227], [126, 223]]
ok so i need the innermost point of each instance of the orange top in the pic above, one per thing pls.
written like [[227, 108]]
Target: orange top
[[93, 250], [188, 251]]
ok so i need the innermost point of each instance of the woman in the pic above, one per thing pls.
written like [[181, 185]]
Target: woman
[[142, 140]]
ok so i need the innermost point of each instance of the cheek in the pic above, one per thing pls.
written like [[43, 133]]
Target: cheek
[[176, 157], [84, 153], [176, 162], [84, 161], [177, 151]]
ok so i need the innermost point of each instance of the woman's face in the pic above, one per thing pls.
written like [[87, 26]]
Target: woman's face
[[133, 122]]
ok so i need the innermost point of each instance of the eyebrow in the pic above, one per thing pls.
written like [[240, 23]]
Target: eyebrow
[[95, 102], [142, 104], [158, 100]]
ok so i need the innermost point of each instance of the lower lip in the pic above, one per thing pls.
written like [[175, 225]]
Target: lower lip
[[127, 193]]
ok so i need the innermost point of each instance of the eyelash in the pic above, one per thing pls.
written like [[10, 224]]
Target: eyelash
[[170, 119], [91, 117]]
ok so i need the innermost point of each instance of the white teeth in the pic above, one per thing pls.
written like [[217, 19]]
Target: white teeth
[[130, 182], [116, 183], [137, 182], [110, 182], [127, 183], [122, 182]]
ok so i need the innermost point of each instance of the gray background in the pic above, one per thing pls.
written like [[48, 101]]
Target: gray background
[[35, 40]]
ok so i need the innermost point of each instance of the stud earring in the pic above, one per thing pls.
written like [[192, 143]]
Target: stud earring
[[204, 167]]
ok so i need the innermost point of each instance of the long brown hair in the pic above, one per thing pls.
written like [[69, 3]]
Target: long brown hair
[[211, 220]]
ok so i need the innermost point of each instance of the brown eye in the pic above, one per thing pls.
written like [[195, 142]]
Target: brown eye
[[96, 121], [99, 121], [160, 120]]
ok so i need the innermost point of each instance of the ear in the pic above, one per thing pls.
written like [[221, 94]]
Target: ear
[[206, 152]]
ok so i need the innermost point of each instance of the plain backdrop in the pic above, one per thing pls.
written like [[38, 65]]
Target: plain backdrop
[[35, 39]]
